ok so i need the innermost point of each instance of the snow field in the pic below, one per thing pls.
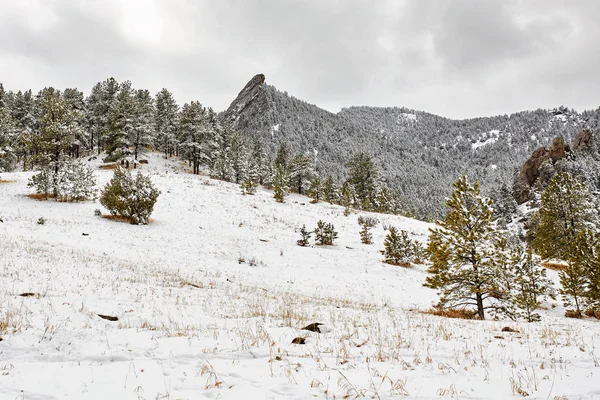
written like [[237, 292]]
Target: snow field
[[210, 295]]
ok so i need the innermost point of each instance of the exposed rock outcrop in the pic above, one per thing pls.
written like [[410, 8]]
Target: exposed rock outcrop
[[530, 172], [582, 142], [248, 96]]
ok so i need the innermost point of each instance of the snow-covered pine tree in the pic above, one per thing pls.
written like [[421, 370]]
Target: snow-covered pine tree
[[166, 122], [98, 106], [398, 248], [142, 134], [325, 234], [75, 99], [120, 123], [567, 209], [581, 277], [366, 236], [364, 176], [528, 280], [192, 135], [301, 171], [238, 154], [221, 166], [256, 162], [315, 189], [8, 140], [282, 160], [464, 269], [280, 184], [330, 190], [304, 237]]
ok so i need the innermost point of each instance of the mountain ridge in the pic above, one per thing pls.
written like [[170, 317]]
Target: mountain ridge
[[420, 153]]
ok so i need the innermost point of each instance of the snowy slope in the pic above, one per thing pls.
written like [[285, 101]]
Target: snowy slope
[[210, 295]]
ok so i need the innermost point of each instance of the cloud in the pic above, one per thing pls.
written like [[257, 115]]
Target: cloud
[[456, 58]]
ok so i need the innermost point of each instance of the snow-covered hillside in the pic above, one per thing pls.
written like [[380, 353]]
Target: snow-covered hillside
[[210, 295]]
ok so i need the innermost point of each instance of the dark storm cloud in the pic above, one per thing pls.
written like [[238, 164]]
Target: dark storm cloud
[[456, 58]]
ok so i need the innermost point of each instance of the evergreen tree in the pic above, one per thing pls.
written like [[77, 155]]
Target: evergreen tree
[[165, 122], [75, 99], [325, 234], [528, 281], [582, 276], [305, 237], [567, 209], [238, 155], [121, 120], [258, 163], [131, 197], [8, 140], [366, 236], [282, 159], [301, 171], [398, 248], [330, 193], [315, 189], [221, 165], [142, 134], [98, 107], [464, 267], [248, 186], [364, 178], [194, 134], [280, 184]]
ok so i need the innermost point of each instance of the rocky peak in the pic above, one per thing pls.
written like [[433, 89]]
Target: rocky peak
[[244, 99]]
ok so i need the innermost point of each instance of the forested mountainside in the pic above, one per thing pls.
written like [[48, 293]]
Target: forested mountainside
[[420, 154]]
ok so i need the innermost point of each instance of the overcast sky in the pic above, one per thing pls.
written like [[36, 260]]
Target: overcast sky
[[453, 58]]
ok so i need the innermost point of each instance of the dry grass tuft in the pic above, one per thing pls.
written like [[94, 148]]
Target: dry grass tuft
[[402, 264], [592, 313], [6, 181], [109, 166], [118, 218], [457, 314], [553, 265], [40, 196], [121, 218], [572, 314]]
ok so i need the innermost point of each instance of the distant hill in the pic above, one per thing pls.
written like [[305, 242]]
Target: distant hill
[[421, 154]]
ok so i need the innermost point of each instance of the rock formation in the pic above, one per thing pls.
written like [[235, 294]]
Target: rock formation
[[247, 97], [530, 172]]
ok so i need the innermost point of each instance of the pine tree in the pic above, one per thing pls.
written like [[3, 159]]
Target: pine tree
[[280, 184], [398, 248], [305, 237], [98, 106], [582, 276], [301, 171], [315, 189], [238, 154], [325, 234], [194, 134], [75, 99], [567, 209], [258, 162], [366, 236], [120, 123], [142, 134], [248, 186], [330, 193], [165, 122], [282, 159], [8, 140], [464, 267], [364, 177], [528, 280]]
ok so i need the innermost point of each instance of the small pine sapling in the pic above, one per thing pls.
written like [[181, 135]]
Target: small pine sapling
[[305, 237], [248, 186], [398, 248], [325, 234], [366, 236]]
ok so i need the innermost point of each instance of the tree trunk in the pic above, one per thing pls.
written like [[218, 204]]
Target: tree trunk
[[480, 310]]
